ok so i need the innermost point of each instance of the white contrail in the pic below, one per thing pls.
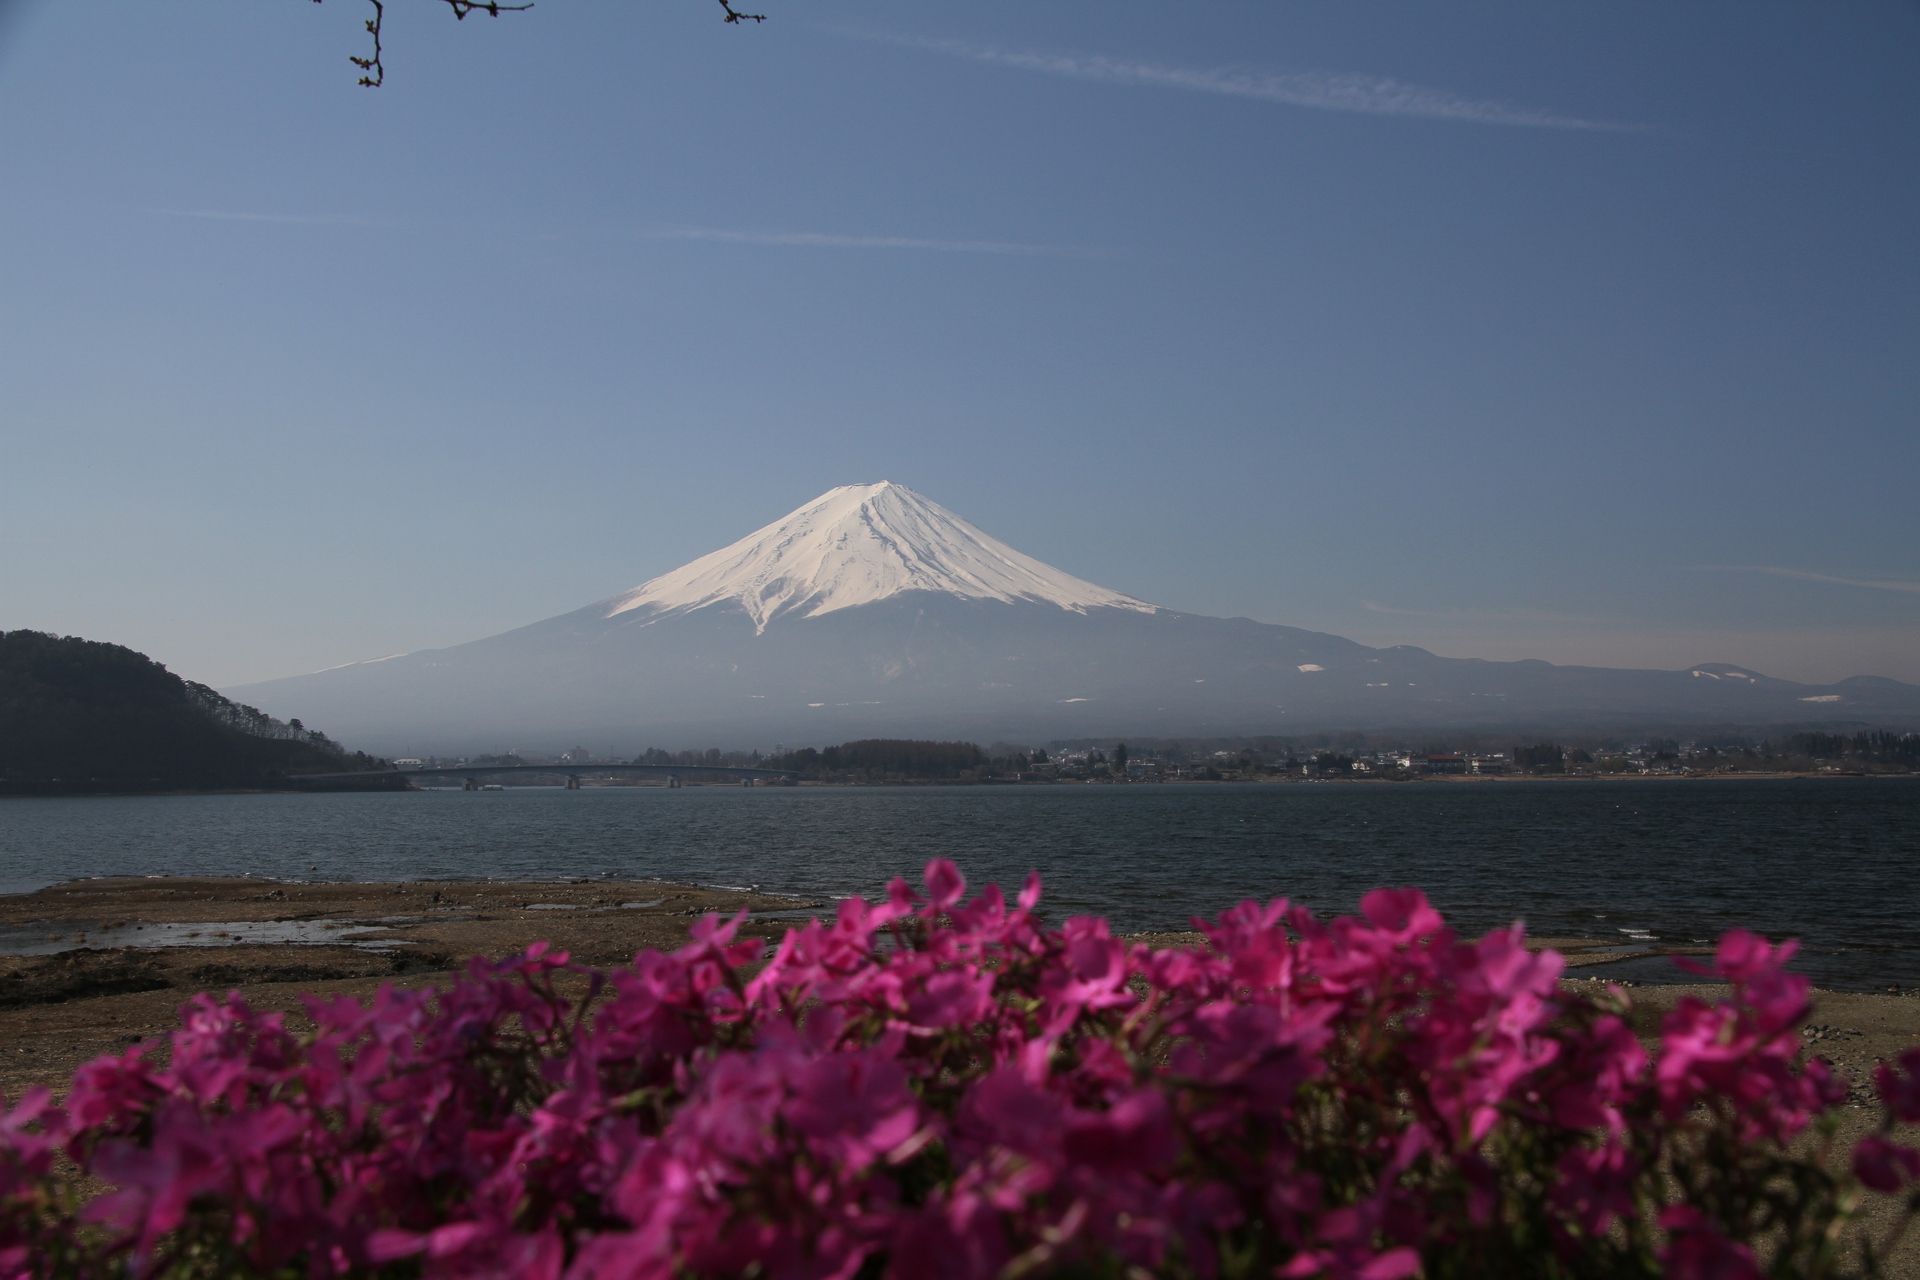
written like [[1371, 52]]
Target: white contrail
[[824, 240], [804, 239], [1807, 575], [1322, 90], [223, 215]]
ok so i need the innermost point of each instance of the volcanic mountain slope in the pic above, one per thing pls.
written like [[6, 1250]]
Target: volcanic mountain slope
[[859, 545], [874, 612]]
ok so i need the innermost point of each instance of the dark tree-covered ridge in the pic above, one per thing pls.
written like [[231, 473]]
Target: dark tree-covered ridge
[[882, 758], [83, 715]]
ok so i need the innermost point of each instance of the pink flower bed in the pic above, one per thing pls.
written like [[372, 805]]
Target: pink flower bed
[[929, 1087]]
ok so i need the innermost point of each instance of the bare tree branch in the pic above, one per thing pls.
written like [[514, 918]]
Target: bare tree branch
[[376, 72]]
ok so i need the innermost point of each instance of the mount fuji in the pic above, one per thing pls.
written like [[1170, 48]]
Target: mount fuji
[[875, 612], [859, 545]]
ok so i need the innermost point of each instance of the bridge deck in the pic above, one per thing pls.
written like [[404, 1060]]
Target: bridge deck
[[563, 770]]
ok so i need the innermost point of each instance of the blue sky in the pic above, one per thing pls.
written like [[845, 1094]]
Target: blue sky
[[1510, 330]]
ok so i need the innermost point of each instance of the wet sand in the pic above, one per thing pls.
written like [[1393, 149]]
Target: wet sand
[[60, 1010]]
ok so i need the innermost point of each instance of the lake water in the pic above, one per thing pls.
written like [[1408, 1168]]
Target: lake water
[[1835, 862]]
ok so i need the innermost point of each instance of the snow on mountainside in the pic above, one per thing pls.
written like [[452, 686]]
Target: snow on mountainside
[[856, 545]]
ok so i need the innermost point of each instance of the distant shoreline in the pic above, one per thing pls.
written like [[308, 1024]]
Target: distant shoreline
[[1282, 782], [815, 784]]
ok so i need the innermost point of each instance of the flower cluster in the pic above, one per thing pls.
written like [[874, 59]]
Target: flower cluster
[[930, 1088]]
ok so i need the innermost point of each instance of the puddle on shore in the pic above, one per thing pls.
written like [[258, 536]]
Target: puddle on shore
[[1650, 968], [51, 937], [376, 933]]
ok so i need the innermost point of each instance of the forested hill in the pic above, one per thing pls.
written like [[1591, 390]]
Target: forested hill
[[80, 715], [885, 759]]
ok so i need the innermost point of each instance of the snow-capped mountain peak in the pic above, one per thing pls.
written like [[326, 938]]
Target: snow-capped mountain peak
[[855, 545]]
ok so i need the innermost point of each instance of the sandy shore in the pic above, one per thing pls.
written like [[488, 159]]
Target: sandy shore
[[105, 987]]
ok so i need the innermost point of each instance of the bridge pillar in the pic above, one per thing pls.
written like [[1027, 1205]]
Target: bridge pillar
[[573, 782], [673, 780], [471, 784], [746, 782]]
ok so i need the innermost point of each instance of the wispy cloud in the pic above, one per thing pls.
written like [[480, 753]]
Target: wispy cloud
[[825, 240], [1321, 90], [1808, 575], [724, 235], [225, 215]]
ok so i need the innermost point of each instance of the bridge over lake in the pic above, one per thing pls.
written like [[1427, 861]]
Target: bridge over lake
[[471, 774]]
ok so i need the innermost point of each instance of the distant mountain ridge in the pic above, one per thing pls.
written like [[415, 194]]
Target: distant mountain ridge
[[875, 612]]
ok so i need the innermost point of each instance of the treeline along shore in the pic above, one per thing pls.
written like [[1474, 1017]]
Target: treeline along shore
[[1320, 757]]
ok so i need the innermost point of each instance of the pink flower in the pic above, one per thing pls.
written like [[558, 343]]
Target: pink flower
[[1030, 891], [158, 1181], [1900, 1090], [1257, 948], [28, 1138], [1883, 1165], [952, 998], [1343, 1248], [1744, 1049], [111, 1092], [1352, 1264], [1697, 1251], [852, 1107], [1136, 1134], [1254, 1051], [945, 885], [1094, 971], [973, 1093], [1598, 1074], [1007, 1110], [1595, 1187], [1402, 913]]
